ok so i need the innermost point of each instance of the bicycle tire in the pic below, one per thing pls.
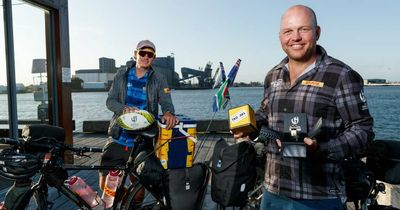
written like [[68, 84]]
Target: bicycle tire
[[20, 198], [255, 195], [148, 202], [31, 201], [41, 200], [129, 202]]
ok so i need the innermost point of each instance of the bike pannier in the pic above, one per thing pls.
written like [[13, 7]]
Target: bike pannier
[[149, 169], [175, 147], [186, 187], [359, 179], [233, 172], [384, 160]]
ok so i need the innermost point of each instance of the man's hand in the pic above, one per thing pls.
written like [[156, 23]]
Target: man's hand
[[128, 109], [312, 144], [279, 144], [240, 136], [169, 120]]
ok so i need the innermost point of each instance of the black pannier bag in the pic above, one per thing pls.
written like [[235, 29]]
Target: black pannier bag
[[359, 179], [233, 172], [149, 169], [186, 187], [384, 160]]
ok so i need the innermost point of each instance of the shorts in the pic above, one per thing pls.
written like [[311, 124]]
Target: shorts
[[116, 154]]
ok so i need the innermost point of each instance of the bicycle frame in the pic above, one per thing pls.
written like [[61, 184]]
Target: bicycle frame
[[40, 187], [127, 169], [47, 175]]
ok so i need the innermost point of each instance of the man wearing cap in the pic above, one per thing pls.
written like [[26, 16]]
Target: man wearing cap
[[136, 87]]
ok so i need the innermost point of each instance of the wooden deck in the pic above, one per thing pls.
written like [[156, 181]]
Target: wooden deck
[[91, 176]]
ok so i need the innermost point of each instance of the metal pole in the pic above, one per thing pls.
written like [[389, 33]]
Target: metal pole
[[53, 68], [10, 63]]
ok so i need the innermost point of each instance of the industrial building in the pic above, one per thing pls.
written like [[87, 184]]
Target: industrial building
[[107, 65], [375, 81], [204, 78]]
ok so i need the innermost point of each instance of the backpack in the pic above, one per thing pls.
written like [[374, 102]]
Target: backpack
[[233, 172]]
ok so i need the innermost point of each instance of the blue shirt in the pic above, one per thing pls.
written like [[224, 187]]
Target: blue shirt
[[135, 97]]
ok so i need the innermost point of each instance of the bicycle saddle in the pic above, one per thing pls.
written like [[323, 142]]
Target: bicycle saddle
[[149, 132]]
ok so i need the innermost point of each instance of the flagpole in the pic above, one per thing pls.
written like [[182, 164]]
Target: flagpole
[[202, 142]]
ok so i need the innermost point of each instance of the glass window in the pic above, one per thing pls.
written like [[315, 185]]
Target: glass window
[[30, 62], [30, 65]]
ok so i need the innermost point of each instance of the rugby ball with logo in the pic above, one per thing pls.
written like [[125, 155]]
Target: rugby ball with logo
[[138, 120]]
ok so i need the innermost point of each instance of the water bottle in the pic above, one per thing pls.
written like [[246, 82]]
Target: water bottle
[[79, 186], [2, 206], [110, 187]]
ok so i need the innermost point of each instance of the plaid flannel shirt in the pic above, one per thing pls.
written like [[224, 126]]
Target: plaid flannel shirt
[[333, 91]]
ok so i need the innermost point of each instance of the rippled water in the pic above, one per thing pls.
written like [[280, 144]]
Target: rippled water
[[383, 102]]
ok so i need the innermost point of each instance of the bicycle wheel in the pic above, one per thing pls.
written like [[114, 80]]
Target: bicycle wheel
[[41, 200], [255, 195], [22, 197], [137, 199]]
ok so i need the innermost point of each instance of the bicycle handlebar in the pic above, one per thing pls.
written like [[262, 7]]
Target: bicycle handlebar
[[9, 141], [25, 144], [267, 134], [83, 149]]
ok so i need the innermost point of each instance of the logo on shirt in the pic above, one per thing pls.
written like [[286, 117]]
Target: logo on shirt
[[294, 120], [364, 105], [312, 83], [276, 83], [362, 96], [167, 90]]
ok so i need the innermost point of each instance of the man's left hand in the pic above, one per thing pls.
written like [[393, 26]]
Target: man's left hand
[[312, 144], [169, 120]]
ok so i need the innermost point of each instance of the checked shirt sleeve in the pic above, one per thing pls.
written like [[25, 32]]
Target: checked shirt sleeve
[[353, 110], [261, 114]]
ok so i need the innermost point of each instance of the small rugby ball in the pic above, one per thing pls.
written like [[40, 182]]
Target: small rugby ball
[[138, 120]]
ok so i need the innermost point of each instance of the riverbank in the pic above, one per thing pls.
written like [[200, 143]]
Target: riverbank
[[383, 84]]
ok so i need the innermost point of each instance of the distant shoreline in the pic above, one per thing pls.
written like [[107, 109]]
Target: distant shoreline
[[383, 84]]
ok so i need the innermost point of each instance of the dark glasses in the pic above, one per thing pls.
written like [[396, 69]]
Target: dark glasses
[[144, 53]]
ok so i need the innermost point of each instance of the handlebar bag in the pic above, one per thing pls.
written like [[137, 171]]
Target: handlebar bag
[[36, 131], [233, 172], [44, 134]]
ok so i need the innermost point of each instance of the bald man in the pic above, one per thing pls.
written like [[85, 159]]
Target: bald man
[[310, 82]]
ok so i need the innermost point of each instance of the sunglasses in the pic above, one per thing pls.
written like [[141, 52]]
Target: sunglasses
[[144, 53]]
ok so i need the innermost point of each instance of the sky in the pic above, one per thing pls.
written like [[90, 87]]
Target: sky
[[364, 34]]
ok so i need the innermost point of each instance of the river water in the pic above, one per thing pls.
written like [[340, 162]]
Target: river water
[[383, 102]]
